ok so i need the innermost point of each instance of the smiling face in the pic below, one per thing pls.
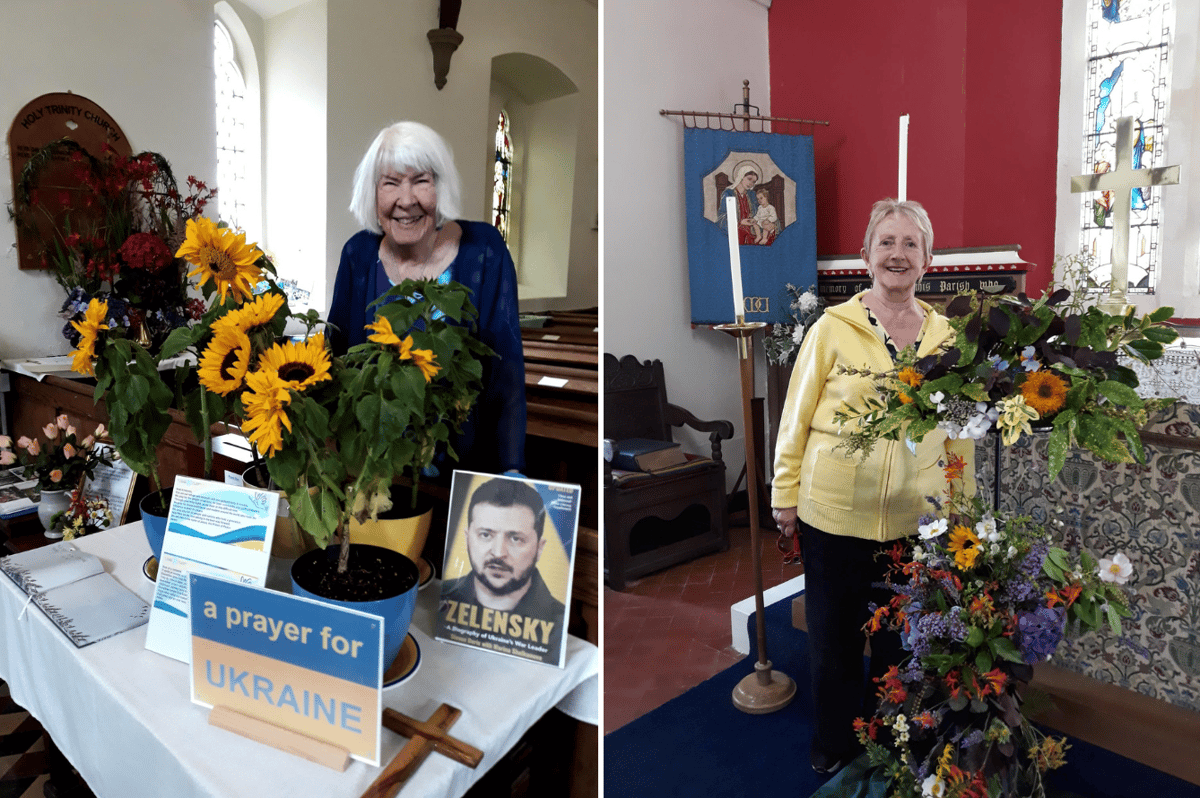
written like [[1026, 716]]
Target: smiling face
[[503, 548], [897, 259], [407, 206]]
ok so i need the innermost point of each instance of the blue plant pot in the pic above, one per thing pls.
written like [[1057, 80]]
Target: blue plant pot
[[396, 607], [153, 524]]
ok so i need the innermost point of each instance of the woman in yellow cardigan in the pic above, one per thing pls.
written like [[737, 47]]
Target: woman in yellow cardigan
[[848, 510]]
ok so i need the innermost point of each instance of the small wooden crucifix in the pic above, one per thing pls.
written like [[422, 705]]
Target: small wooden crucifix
[[1121, 180], [425, 737]]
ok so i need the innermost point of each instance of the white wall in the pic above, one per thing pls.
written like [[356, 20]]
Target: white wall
[[159, 90], [713, 46], [295, 92]]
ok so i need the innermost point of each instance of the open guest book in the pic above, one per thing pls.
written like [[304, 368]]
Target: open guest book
[[75, 592]]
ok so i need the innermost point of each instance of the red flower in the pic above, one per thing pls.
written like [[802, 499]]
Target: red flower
[[146, 251], [877, 620], [994, 681], [925, 719]]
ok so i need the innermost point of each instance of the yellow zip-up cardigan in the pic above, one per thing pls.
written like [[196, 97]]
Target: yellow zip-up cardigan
[[880, 498]]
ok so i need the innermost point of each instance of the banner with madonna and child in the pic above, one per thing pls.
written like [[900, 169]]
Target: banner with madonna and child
[[770, 177]]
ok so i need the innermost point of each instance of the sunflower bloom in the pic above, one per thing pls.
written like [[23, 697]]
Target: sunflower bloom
[[965, 545], [426, 361], [225, 361], [385, 335], [266, 411], [301, 365], [256, 313], [89, 330], [1045, 392], [222, 255]]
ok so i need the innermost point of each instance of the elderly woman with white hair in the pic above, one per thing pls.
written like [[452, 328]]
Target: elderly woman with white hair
[[407, 195], [849, 511]]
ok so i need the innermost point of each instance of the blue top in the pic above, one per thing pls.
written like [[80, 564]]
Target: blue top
[[485, 267]]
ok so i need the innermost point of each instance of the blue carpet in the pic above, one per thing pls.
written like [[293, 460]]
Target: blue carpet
[[700, 744]]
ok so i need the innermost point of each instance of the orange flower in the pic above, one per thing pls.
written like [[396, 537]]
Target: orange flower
[[994, 681], [954, 466], [1044, 391]]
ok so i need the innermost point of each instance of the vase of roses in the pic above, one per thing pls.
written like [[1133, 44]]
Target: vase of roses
[[60, 460]]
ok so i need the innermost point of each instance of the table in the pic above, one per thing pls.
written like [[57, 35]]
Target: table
[[123, 716]]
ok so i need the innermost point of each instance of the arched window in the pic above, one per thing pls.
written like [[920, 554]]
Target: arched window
[[232, 145], [502, 176], [1128, 68]]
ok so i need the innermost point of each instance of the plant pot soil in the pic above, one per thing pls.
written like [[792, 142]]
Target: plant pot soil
[[374, 573]]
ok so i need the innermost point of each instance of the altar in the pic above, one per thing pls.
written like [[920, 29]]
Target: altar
[[122, 715]]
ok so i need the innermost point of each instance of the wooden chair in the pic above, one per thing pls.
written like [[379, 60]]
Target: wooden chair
[[655, 521]]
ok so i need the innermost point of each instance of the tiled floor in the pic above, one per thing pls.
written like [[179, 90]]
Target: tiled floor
[[670, 631], [22, 751]]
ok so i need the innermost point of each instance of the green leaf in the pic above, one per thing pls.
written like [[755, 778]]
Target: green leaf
[[1160, 335], [1056, 448], [1119, 393], [1114, 620], [1159, 315], [975, 638], [1003, 647], [983, 661], [367, 411]]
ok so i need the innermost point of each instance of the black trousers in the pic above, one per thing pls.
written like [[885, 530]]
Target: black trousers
[[838, 574]]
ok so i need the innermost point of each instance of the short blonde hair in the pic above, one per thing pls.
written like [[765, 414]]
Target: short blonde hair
[[913, 210], [399, 148]]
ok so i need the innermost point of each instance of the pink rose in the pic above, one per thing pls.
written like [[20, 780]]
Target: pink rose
[[7, 457], [5, 442], [56, 475], [62, 421], [34, 448], [68, 451], [50, 431], [23, 442]]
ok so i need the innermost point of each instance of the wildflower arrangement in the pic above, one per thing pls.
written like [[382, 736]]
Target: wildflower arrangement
[[85, 515], [334, 431], [1014, 364], [783, 342], [115, 238], [979, 599], [62, 460]]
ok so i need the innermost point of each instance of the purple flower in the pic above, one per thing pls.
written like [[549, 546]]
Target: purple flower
[[1039, 633]]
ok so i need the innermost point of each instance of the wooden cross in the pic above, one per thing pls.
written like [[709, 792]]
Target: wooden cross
[[425, 736], [1121, 180]]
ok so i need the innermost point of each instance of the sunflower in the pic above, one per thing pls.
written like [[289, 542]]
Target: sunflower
[[965, 545], [300, 366], [912, 378], [385, 335], [224, 364], [89, 330], [219, 253], [1044, 391], [256, 313], [425, 359], [266, 411]]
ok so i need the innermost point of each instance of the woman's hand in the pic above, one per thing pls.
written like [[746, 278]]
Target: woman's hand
[[786, 520]]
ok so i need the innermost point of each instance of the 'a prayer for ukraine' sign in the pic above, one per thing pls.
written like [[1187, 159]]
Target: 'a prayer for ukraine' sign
[[311, 667]]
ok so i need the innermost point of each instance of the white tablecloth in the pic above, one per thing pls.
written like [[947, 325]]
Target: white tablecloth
[[123, 716]]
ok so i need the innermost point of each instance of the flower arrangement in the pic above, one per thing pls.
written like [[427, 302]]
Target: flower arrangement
[[83, 516], [334, 431], [783, 342], [115, 239], [1015, 363], [63, 461], [979, 599]]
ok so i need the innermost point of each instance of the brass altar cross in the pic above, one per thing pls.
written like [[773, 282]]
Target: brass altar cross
[[425, 736], [1121, 180]]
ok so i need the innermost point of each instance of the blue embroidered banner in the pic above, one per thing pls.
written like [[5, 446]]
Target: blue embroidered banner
[[771, 178]]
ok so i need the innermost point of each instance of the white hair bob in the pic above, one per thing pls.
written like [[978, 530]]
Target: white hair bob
[[400, 148]]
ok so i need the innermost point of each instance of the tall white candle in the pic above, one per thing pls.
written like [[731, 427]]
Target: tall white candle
[[902, 180], [735, 258]]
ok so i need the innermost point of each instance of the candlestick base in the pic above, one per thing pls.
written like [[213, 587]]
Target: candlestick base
[[764, 691]]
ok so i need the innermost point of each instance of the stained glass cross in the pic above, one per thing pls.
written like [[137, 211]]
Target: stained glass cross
[[1121, 180]]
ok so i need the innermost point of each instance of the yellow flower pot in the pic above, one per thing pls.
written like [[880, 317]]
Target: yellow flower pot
[[403, 529]]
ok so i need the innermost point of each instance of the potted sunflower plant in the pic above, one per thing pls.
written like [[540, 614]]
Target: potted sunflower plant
[[333, 432]]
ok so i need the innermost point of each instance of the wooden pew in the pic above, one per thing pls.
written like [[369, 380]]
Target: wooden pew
[[562, 378]]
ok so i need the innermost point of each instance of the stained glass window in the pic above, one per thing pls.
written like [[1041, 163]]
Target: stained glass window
[[232, 157], [502, 176], [1128, 72]]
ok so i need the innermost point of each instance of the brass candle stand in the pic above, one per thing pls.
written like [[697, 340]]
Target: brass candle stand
[[765, 690]]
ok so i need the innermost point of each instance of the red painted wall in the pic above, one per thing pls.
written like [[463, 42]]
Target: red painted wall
[[980, 83]]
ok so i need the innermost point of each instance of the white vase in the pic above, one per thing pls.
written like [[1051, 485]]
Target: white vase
[[52, 503]]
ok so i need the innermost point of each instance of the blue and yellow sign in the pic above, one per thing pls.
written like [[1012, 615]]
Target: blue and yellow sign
[[304, 665]]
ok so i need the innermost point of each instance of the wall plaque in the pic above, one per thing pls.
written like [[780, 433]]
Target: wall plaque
[[44, 120]]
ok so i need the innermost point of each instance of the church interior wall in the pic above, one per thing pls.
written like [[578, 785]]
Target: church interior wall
[[713, 46], [980, 83], [162, 96]]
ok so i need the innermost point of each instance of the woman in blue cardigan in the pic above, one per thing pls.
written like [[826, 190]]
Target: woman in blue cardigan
[[407, 195]]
